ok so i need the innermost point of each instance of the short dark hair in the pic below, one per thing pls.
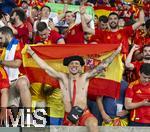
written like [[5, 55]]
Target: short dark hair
[[103, 19], [145, 68], [41, 26], [145, 46], [96, 16], [2, 14], [46, 7], [24, 1], [36, 8], [68, 12], [67, 60], [6, 30], [120, 17], [147, 24], [113, 13], [73, 14], [19, 12]]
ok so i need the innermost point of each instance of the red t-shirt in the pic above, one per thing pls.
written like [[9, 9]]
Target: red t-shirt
[[52, 39], [146, 7], [138, 92], [141, 40], [120, 36], [23, 34], [75, 35], [4, 82], [135, 73], [97, 37], [147, 40], [137, 65]]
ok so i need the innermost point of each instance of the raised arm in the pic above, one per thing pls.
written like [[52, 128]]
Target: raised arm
[[140, 21], [43, 64], [61, 16], [128, 63], [83, 21], [105, 63]]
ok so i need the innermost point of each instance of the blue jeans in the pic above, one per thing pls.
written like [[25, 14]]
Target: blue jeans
[[92, 105]]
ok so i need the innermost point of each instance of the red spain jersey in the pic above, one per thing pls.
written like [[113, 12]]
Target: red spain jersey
[[137, 65], [75, 35], [23, 33], [138, 92], [140, 39], [52, 38], [109, 37], [135, 71]]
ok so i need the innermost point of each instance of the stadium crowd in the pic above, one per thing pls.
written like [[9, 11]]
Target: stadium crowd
[[28, 22]]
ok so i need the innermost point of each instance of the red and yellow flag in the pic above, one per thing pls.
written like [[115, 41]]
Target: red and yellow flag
[[103, 10], [106, 83]]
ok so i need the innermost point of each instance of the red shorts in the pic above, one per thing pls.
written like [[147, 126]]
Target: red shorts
[[81, 121]]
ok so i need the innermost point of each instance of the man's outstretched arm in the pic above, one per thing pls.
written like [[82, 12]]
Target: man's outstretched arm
[[43, 64], [105, 63], [128, 63]]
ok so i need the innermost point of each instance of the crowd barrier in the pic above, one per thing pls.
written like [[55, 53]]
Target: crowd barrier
[[75, 129]]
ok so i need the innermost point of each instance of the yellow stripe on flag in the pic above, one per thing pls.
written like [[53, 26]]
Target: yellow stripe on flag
[[102, 12]]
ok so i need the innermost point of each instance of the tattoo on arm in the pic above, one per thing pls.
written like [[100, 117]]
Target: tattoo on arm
[[105, 63]]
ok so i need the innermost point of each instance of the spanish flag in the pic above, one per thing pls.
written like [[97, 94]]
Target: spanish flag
[[103, 10], [106, 83]]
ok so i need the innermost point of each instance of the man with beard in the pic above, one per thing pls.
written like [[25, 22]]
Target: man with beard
[[12, 63], [74, 86], [16, 22], [138, 98], [137, 64], [114, 35]]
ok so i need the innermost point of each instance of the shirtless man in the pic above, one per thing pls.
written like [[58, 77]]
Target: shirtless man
[[73, 79]]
